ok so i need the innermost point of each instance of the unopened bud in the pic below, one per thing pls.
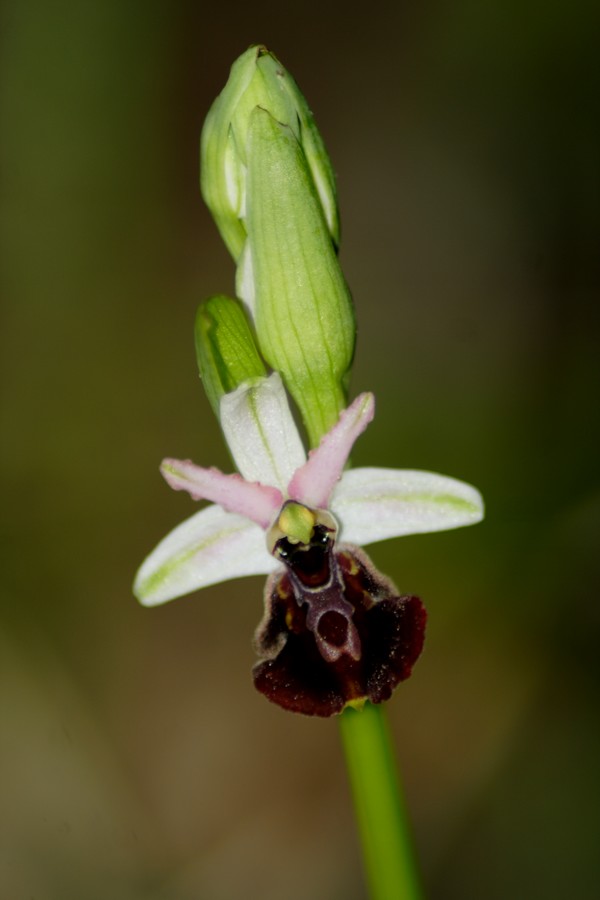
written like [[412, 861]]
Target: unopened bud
[[268, 182], [257, 78], [225, 348]]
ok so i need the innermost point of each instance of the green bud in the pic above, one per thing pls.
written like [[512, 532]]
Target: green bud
[[225, 348], [291, 277], [267, 179], [257, 79]]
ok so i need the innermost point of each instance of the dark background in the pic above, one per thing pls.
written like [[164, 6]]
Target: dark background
[[136, 760]]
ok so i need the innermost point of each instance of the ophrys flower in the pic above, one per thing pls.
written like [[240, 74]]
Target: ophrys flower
[[335, 630]]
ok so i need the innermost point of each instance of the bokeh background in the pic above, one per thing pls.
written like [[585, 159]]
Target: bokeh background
[[136, 760]]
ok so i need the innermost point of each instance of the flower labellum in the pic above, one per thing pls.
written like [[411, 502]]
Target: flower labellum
[[335, 631]]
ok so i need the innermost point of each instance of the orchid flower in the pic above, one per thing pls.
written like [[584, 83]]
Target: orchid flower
[[335, 631]]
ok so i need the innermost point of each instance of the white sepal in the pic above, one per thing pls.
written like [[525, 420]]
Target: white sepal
[[373, 504], [261, 433], [211, 546]]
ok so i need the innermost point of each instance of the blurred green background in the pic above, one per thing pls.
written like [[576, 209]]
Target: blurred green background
[[136, 760]]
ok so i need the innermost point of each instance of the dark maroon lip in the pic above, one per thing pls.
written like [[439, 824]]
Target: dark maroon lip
[[335, 631]]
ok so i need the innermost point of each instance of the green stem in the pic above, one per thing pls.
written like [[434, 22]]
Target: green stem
[[380, 810]]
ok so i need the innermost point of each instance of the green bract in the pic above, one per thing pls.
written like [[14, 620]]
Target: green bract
[[225, 349], [267, 179], [302, 307]]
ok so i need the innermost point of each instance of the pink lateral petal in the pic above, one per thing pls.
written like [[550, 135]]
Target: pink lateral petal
[[313, 482], [257, 502]]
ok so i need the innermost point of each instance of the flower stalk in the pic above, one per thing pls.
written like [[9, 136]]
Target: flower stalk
[[387, 844]]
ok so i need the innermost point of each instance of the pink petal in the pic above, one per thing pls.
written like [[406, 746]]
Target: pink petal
[[313, 482], [257, 502]]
